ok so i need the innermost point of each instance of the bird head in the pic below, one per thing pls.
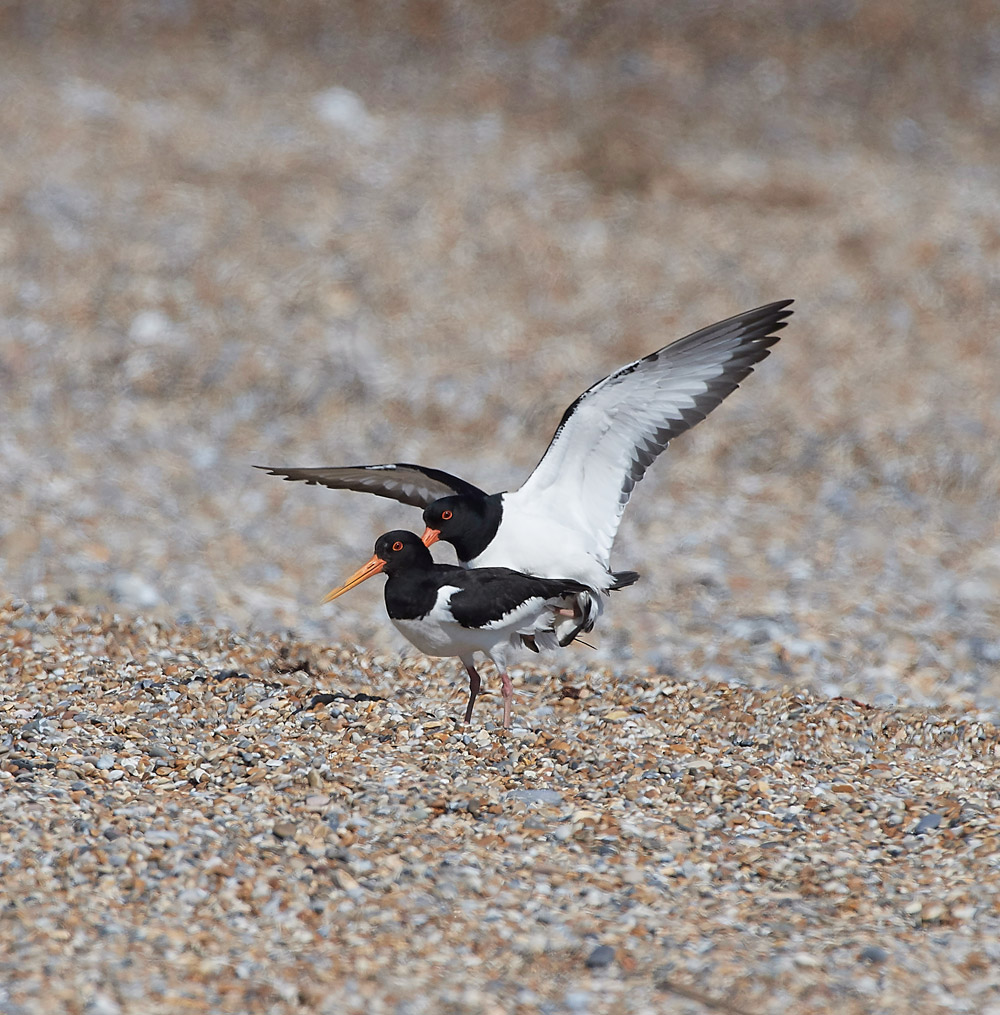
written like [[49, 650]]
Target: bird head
[[394, 551]]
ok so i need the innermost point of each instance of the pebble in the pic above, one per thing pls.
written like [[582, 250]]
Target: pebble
[[601, 956], [927, 823], [536, 796], [873, 954]]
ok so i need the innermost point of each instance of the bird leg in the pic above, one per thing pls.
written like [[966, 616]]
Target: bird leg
[[507, 690], [474, 684]]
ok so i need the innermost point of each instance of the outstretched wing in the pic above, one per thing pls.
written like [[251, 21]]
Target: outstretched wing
[[409, 484], [612, 433]]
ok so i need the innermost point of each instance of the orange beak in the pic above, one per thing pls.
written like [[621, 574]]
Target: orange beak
[[430, 536], [373, 567]]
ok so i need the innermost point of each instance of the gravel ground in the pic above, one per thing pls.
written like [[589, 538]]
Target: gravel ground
[[316, 234], [196, 821]]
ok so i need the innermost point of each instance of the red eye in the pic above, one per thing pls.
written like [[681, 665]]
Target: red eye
[[397, 546], [445, 516]]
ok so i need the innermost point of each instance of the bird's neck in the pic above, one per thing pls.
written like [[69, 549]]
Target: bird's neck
[[412, 593], [469, 545]]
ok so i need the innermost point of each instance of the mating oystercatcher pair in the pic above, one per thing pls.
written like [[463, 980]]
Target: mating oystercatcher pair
[[536, 561]]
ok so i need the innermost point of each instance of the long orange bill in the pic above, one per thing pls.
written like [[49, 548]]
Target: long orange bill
[[430, 536], [373, 567]]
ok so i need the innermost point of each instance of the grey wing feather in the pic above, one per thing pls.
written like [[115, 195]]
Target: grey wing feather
[[409, 484]]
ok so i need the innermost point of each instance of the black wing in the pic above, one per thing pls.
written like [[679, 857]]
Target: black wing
[[409, 484], [490, 596]]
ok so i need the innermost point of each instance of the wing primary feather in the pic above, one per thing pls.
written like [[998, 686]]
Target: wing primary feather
[[610, 435], [417, 485]]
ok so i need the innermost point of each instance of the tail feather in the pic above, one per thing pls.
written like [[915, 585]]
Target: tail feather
[[576, 614], [623, 579]]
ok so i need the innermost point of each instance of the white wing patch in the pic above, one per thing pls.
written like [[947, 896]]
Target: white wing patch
[[523, 615], [615, 429]]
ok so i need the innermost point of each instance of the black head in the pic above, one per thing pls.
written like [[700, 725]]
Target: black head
[[395, 551], [401, 550], [467, 521]]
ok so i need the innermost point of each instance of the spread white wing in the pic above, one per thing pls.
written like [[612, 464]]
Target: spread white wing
[[612, 433]]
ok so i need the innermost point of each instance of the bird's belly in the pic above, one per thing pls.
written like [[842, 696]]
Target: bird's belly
[[429, 636]]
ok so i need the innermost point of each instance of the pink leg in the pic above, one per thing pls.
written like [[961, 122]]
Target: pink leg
[[508, 697], [474, 684]]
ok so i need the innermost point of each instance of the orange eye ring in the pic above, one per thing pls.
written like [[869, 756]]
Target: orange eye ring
[[397, 546], [446, 516]]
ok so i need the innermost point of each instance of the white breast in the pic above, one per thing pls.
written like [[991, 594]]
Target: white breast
[[545, 543]]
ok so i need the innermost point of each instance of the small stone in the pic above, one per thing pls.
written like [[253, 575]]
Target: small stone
[[105, 761], [317, 802], [160, 837], [928, 822], [285, 829], [578, 1001], [536, 796], [601, 956], [873, 954], [344, 881]]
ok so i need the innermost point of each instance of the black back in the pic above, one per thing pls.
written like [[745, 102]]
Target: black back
[[484, 595]]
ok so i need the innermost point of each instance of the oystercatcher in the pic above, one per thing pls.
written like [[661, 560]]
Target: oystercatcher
[[445, 610], [564, 518]]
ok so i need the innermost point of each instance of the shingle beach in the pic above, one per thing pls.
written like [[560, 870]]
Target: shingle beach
[[330, 234]]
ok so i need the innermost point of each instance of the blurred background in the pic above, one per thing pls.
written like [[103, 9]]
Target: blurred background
[[307, 233]]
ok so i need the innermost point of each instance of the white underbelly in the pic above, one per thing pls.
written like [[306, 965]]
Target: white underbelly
[[438, 634]]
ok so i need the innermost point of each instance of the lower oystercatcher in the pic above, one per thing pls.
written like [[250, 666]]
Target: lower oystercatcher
[[563, 520], [445, 610]]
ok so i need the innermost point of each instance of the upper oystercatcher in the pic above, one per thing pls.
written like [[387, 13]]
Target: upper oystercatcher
[[564, 518], [446, 610]]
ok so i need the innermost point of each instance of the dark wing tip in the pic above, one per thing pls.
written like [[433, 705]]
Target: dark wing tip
[[289, 475], [779, 304], [765, 320], [310, 477]]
